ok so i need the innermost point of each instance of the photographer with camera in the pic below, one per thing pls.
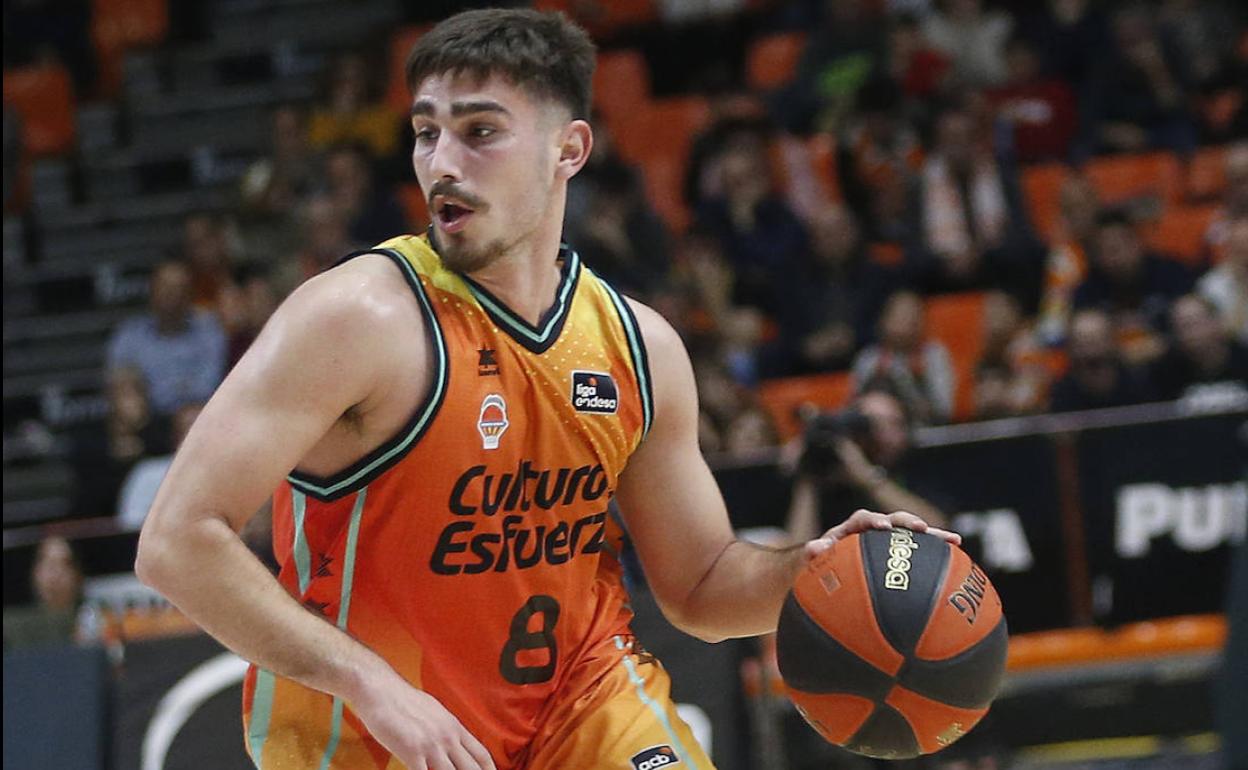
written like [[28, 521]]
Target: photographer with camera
[[849, 460]]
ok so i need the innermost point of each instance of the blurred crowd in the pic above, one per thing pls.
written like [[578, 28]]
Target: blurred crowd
[[793, 263]]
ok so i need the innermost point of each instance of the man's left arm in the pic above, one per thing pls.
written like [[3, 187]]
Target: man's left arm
[[708, 583]]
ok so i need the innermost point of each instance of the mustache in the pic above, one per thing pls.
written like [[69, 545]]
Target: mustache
[[453, 190]]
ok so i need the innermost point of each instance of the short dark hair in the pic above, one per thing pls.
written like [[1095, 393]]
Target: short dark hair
[[542, 52]]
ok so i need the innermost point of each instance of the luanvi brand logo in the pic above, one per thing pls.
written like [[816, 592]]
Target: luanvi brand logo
[[655, 757], [492, 423], [970, 594], [594, 392], [901, 546]]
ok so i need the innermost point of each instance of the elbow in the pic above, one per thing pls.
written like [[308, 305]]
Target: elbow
[[151, 561], [686, 621]]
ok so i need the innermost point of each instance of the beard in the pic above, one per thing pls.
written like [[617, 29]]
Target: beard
[[462, 257]]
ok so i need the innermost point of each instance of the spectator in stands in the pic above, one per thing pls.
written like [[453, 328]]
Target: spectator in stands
[[1204, 34], [622, 239], [878, 160], [836, 63], [1010, 377], [729, 418], [969, 214], [756, 230], [844, 469], [1040, 108], [38, 31], [350, 113], [831, 299], [1066, 266], [735, 119], [139, 489], [1226, 286], [251, 299], [911, 63], [209, 252], [1234, 205], [1069, 35], [53, 619], [101, 458], [274, 186], [1202, 353], [180, 350], [973, 38], [373, 211], [1098, 376], [1135, 99], [326, 237], [1134, 286], [918, 369]]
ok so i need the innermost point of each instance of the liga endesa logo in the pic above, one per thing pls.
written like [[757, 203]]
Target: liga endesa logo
[[594, 392]]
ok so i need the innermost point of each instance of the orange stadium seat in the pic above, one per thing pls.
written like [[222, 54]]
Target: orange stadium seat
[[1042, 187], [772, 60], [657, 136], [1181, 233], [782, 398], [1206, 174], [119, 25], [401, 43], [43, 97], [621, 82], [957, 321], [1122, 177]]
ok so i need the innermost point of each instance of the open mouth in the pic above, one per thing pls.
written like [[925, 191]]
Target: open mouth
[[452, 215]]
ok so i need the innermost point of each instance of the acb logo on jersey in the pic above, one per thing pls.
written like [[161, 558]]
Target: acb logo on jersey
[[594, 392], [654, 757], [492, 423]]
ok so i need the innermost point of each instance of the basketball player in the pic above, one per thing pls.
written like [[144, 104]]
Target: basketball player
[[460, 408]]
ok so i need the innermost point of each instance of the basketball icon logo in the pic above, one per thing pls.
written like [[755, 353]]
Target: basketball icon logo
[[493, 420]]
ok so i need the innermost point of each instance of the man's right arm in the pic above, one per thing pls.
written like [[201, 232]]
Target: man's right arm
[[321, 354], [304, 371]]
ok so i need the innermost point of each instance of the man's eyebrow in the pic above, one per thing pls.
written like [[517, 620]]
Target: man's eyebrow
[[424, 108]]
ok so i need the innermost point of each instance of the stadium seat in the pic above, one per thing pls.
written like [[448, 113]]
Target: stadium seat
[[957, 321], [119, 25], [782, 398], [621, 82], [1181, 231], [657, 136], [401, 43], [1042, 186], [772, 60], [43, 97], [1206, 174], [1120, 178]]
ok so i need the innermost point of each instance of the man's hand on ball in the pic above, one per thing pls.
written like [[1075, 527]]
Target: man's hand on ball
[[863, 520]]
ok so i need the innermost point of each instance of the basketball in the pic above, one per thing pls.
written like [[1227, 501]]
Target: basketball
[[892, 643]]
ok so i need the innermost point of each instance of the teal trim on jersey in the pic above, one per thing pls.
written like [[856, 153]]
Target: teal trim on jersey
[[637, 350], [388, 453], [657, 708], [501, 313], [303, 559], [261, 713], [344, 607]]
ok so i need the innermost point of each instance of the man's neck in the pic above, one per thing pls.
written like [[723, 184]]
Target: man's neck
[[527, 277]]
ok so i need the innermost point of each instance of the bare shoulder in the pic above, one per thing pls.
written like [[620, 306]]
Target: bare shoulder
[[663, 344], [365, 291]]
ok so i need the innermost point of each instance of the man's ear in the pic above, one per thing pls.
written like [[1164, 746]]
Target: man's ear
[[577, 139]]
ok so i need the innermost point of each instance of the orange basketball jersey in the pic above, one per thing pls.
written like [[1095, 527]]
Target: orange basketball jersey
[[474, 551]]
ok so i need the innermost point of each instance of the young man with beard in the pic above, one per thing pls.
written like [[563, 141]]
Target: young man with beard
[[458, 409]]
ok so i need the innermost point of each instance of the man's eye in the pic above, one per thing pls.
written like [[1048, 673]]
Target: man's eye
[[426, 134], [481, 132]]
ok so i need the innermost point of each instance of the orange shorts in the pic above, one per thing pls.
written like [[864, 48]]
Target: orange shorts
[[626, 720]]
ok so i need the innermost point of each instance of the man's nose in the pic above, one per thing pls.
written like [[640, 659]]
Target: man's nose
[[445, 160]]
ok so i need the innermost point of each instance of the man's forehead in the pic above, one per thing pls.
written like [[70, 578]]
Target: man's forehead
[[453, 91]]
